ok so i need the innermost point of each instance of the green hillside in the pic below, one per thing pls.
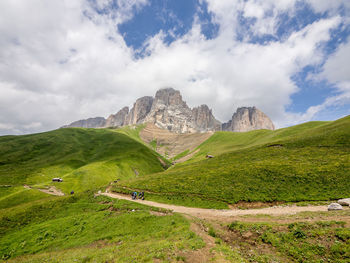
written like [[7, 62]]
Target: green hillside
[[83, 158], [84, 228], [305, 162], [222, 142]]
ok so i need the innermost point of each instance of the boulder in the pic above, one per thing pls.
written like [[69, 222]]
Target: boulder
[[334, 206], [345, 201]]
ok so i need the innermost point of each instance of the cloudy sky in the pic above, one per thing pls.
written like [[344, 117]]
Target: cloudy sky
[[64, 60]]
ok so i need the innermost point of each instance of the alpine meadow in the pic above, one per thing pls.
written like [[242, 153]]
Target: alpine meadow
[[190, 131]]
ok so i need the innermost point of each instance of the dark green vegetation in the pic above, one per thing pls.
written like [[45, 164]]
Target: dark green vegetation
[[306, 162], [81, 228], [322, 241], [85, 159]]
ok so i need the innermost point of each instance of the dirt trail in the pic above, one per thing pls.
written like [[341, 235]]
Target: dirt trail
[[217, 214], [51, 190]]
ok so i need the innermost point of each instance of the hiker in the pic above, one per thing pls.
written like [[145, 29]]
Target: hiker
[[142, 196], [134, 195], [72, 192]]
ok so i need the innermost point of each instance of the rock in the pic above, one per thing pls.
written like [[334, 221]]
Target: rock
[[334, 206], [204, 119], [118, 119], [97, 122], [167, 110], [248, 119], [170, 97], [141, 108], [345, 201], [170, 112]]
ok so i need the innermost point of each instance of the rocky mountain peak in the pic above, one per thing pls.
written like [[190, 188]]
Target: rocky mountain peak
[[247, 119], [169, 96], [118, 119], [139, 112], [204, 119], [167, 110]]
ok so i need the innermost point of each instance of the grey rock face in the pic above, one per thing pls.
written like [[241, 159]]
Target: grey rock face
[[334, 206], [141, 108], [118, 119], [97, 122], [345, 201], [167, 110], [204, 119], [170, 112], [248, 119], [170, 97]]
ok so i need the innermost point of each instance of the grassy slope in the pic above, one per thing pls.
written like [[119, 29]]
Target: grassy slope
[[37, 227], [313, 164], [319, 241], [81, 228], [222, 142], [84, 158]]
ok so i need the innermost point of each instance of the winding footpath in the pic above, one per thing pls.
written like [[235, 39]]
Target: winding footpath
[[215, 213]]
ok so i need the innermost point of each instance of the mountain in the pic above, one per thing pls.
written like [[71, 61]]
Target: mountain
[[170, 112], [96, 122], [167, 110], [248, 119]]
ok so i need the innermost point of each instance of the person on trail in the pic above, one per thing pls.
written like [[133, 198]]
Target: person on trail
[[142, 196], [134, 195]]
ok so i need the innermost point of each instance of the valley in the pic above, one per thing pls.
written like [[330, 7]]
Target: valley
[[262, 197]]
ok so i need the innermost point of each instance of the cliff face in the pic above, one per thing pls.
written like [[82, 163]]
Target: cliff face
[[248, 119], [167, 110], [204, 119], [118, 119], [139, 112], [170, 112]]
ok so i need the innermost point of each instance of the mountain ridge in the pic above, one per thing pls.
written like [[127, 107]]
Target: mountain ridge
[[167, 110]]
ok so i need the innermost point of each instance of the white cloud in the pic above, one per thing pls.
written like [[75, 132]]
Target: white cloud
[[61, 61], [337, 69]]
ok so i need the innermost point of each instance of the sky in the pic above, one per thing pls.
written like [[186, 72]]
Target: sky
[[63, 60]]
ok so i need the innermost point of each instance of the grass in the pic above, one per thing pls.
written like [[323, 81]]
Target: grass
[[308, 162], [223, 142], [82, 227], [19, 195], [323, 241], [180, 155], [85, 158]]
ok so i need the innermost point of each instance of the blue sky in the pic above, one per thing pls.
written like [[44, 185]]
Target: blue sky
[[86, 58]]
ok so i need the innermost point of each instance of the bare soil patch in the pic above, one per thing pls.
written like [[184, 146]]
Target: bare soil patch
[[172, 144], [50, 190], [248, 205]]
